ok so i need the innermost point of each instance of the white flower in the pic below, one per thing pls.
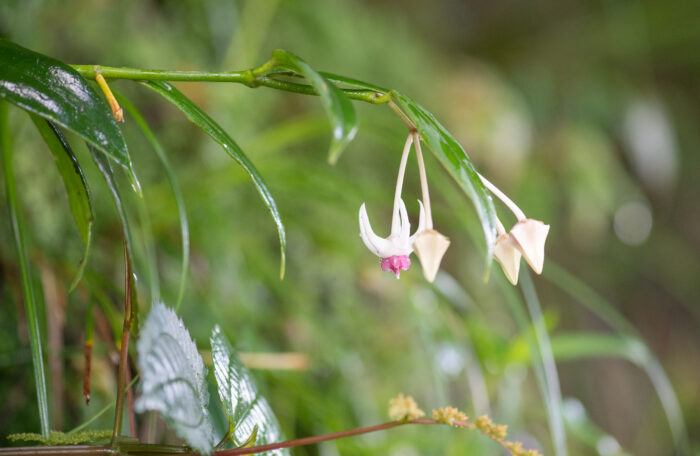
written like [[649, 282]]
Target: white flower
[[394, 250], [507, 254], [526, 238], [399, 242]]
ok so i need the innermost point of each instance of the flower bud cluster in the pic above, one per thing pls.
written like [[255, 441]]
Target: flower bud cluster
[[404, 408]]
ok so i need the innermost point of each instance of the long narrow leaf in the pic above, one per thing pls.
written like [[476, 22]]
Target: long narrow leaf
[[548, 363], [74, 181], [177, 193], [453, 157], [106, 169], [218, 134], [25, 272], [587, 297], [338, 107], [53, 90]]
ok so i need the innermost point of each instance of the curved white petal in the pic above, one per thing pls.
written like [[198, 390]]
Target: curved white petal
[[405, 232], [421, 222], [377, 245]]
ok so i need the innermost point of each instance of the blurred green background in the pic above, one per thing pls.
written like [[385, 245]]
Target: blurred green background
[[585, 113]]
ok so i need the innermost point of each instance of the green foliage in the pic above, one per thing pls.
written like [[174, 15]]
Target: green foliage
[[74, 181], [218, 134], [173, 378], [34, 319], [456, 161], [53, 90], [339, 109], [105, 168], [251, 418]]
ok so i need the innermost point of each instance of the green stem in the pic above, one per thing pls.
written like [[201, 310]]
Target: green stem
[[252, 78], [124, 353], [25, 273]]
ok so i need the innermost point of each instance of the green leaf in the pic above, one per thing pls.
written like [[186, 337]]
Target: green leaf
[[104, 166], [173, 378], [214, 130], [457, 163], [53, 90], [245, 408], [608, 312], [74, 181], [551, 376], [30, 301], [172, 178], [338, 107]]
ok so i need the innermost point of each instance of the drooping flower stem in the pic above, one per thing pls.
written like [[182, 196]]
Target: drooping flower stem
[[399, 185], [502, 196], [423, 183]]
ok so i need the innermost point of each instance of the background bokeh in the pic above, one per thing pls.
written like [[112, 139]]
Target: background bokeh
[[585, 113]]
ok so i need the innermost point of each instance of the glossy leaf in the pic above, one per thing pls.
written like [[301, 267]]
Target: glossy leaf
[[247, 411], [177, 193], [53, 90], [338, 107], [218, 134], [74, 181], [105, 167], [173, 378], [456, 161], [30, 301]]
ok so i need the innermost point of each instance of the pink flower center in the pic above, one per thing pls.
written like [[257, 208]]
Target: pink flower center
[[396, 263]]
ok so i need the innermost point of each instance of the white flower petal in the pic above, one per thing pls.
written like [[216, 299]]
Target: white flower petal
[[421, 222], [377, 245], [530, 236], [430, 247], [507, 254], [405, 232]]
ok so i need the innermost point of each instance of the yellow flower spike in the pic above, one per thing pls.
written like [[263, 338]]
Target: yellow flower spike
[[117, 111], [404, 408], [450, 415]]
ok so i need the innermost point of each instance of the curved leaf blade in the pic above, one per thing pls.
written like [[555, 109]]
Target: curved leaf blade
[[218, 134], [74, 181], [456, 161], [53, 90], [248, 412], [105, 168], [177, 192], [173, 378], [30, 299], [338, 107]]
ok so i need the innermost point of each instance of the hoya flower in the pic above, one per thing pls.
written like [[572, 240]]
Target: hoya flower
[[507, 254], [527, 236], [394, 250]]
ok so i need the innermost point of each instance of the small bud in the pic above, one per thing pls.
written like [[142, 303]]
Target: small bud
[[507, 254], [530, 235], [430, 246]]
